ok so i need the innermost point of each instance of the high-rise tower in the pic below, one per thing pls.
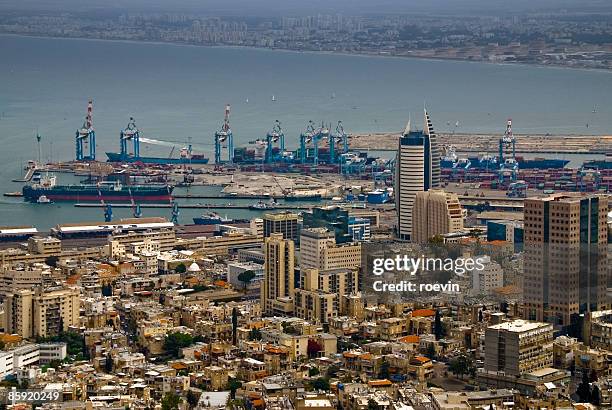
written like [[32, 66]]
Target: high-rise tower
[[566, 266], [278, 287], [417, 170]]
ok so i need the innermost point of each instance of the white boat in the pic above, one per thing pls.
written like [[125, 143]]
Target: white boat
[[43, 200]]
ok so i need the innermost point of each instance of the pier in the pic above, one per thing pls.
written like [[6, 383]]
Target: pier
[[197, 206]]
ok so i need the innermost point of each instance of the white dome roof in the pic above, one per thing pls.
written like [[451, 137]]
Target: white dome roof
[[193, 267]]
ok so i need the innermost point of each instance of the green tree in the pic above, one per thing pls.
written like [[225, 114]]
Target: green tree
[[180, 268], [461, 365], [75, 343], [174, 342], [255, 334], [192, 398], [313, 371], [170, 401], [384, 370], [246, 277], [52, 261], [596, 396], [320, 383], [584, 389], [108, 364], [107, 290], [436, 240], [438, 328], [234, 325], [431, 351], [332, 371], [372, 405], [233, 385]]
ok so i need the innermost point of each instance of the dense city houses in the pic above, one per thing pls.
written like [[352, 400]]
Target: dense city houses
[[279, 312]]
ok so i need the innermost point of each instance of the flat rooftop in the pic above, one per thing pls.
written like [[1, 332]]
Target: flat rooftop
[[519, 326]]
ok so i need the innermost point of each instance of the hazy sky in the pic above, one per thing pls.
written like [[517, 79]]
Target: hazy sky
[[300, 7]]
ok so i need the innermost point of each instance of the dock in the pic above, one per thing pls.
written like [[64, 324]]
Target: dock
[[196, 206], [27, 177], [198, 196]]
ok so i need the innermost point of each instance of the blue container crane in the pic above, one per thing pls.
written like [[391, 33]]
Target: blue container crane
[[224, 139], [306, 139], [130, 134], [339, 136], [85, 136], [276, 136]]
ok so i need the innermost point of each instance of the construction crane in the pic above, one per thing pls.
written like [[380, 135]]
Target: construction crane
[[130, 134], [508, 165], [224, 139], [86, 136], [275, 137]]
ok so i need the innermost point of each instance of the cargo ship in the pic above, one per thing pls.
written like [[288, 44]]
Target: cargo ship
[[598, 164], [193, 159], [491, 163], [303, 197], [103, 191], [541, 163]]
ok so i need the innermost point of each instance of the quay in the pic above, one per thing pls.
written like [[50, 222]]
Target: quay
[[196, 206]]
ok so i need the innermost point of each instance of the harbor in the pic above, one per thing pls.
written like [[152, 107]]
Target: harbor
[[330, 166]]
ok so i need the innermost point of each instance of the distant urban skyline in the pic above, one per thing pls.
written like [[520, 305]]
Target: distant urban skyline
[[297, 7], [562, 38]]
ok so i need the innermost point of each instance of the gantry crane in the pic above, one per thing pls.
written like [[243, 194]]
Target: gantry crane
[[130, 134], [224, 139], [275, 137], [86, 136], [341, 137], [508, 165]]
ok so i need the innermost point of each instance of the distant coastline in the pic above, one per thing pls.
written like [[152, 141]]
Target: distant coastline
[[321, 52]]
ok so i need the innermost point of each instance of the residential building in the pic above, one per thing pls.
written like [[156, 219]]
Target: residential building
[[278, 286], [518, 347], [41, 312], [565, 263], [318, 297], [318, 250], [236, 268], [485, 280], [282, 222], [435, 212]]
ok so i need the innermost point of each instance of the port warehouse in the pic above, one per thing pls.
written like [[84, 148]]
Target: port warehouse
[[84, 230]]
